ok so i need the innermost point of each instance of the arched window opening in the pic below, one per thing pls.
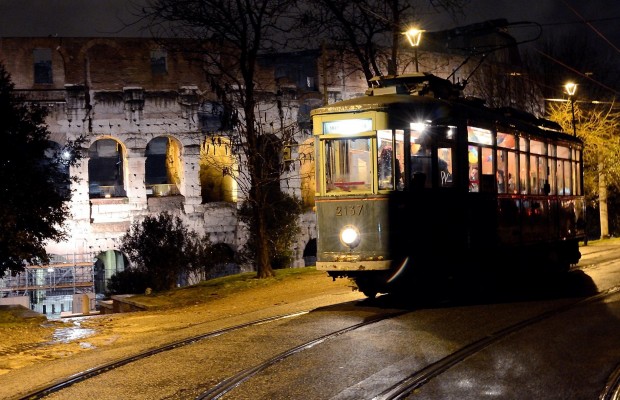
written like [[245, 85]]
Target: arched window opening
[[107, 264], [105, 169], [163, 167], [310, 253], [217, 169]]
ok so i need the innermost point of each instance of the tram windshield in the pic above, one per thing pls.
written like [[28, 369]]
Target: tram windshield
[[348, 165]]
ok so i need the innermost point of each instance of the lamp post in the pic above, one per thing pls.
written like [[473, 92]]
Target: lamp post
[[571, 88], [414, 35]]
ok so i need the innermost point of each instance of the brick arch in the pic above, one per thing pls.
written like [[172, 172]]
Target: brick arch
[[106, 64]]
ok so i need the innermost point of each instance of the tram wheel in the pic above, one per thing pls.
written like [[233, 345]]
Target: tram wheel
[[369, 289], [371, 294]]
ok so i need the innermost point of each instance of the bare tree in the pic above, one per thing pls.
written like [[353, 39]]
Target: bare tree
[[228, 37], [370, 32]]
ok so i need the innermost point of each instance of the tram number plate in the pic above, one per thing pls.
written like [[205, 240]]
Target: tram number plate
[[347, 211]]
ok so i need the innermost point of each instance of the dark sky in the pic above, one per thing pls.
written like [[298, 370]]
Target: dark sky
[[598, 19], [104, 17]]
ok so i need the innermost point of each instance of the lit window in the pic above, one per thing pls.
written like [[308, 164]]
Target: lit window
[[479, 135]]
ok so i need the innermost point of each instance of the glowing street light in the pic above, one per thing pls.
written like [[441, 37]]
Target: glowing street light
[[414, 36], [571, 88]]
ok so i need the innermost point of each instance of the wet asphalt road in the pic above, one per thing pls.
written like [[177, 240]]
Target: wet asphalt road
[[568, 355]]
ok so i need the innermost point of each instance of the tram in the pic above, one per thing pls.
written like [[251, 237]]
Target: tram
[[417, 184]]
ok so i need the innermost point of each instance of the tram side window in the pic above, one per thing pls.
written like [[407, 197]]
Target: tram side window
[[421, 171], [507, 163], [445, 163], [502, 167], [523, 181], [568, 189], [576, 173], [511, 180], [481, 175], [539, 180], [474, 168], [553, 186], [389, 162], [563, 171], [348, 165], [385, 160], [536, 181], [487, 179]]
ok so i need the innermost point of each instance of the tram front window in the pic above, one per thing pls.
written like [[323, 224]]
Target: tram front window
[[348, 165]]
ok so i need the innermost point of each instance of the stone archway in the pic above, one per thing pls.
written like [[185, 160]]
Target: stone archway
[[106, 169], [107, 264], [217, 166], [163, 166], [310, 253]]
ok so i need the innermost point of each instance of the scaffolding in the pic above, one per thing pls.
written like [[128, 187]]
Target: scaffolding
[[64, 275]]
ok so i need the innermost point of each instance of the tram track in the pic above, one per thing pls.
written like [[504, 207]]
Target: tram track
[[98, 370], [398, 391], [417, 379], [232, 382], [612, 388]]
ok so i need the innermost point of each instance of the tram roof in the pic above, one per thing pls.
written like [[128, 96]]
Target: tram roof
[[431, 92]]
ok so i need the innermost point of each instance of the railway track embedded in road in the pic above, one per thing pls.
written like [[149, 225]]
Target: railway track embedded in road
[[90, 373], [419, 378], [230, 383]]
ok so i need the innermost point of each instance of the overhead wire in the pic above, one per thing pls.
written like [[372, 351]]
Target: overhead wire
[[591, 26]]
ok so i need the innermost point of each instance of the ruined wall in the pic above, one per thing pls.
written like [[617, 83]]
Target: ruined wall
[[109, 89]]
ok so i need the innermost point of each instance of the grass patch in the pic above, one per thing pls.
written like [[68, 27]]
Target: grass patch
[[219, 288], [18, 315]]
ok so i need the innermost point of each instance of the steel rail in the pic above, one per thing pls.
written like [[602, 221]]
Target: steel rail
[[421, 377], [232, 382], [92, 372], [612, 387]]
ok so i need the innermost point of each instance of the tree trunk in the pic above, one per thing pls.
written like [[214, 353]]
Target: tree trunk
[[263, 263], [602, 202]]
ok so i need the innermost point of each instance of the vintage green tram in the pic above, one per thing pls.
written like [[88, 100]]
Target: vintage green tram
[[416, 184]]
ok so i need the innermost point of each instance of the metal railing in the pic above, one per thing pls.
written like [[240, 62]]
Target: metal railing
[[99, 191], [162, 190]]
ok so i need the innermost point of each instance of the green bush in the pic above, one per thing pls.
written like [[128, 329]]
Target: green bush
[[164, 249], [129, 281], [282, 228]]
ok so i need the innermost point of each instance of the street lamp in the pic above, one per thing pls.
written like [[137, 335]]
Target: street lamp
[[413, 36], [571, 88]]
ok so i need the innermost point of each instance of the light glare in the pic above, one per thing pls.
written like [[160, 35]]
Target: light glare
[[349, 236]]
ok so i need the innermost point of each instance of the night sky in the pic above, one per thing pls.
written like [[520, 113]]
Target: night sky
[[596, 19], [105, 17]]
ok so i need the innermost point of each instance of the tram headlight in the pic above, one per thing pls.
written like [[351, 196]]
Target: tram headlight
[[350, 236]]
